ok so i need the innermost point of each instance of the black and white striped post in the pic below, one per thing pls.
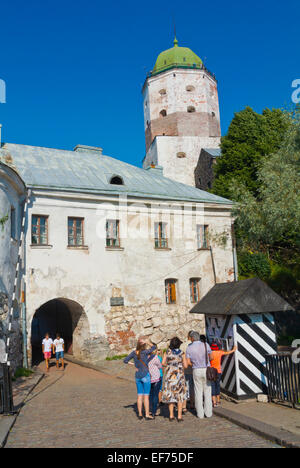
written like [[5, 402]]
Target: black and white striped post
[[17, 278]]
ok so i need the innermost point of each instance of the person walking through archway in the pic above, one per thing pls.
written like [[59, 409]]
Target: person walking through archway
[[59, 348], [47, 345]]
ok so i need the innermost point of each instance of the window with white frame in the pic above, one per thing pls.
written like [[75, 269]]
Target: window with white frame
[[161, 239], [202, 236], [170, 291], [195, 290], [113, 233]]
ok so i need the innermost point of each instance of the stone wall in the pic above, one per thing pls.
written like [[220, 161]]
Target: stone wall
[[158, 321], [182, 124]]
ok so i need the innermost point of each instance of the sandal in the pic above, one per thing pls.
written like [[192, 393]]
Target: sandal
[[171, 419]]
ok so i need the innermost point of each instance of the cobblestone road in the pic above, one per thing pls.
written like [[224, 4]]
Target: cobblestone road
[[84, 408]]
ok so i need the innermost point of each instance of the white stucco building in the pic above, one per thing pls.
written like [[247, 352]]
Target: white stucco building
[[112, 251]]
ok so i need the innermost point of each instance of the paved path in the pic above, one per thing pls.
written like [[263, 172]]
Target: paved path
[[85, 408]]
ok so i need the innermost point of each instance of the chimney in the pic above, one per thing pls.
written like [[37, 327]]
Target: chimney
[[87, 149]]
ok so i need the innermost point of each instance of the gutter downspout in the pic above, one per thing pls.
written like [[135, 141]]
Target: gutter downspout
[[234, 254], [213, 264], [23, 291]]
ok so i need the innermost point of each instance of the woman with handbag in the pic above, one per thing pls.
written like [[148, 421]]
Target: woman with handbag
[[175, 389], [142, 376]]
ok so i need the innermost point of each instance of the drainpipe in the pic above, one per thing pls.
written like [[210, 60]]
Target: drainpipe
[[24, 326], [23, 290], [213, 264], [234, 254]]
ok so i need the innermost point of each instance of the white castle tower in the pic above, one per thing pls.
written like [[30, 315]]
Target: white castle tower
[[181, 113]]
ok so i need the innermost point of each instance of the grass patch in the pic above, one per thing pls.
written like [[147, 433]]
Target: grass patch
[[22, 372], [117, 357]]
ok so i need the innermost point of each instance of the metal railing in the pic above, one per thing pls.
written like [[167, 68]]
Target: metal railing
[[6, 396], [283, 376]]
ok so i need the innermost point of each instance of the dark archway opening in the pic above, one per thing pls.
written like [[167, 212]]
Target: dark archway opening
[[56, 316]]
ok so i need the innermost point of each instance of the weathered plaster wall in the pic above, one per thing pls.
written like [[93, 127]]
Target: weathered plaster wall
[[165, 150], [175, 102], [136, 272], [175, 141]]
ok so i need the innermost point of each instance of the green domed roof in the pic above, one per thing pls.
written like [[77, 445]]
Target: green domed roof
[[180, 57]]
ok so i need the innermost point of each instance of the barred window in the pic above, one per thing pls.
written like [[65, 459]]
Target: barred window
[[161, 241], [195, 289], [112, 233], [75, 231], [202, 237], [170, 291], [39, 230]]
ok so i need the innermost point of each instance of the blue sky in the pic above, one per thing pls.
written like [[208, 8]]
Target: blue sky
[[74, 70]]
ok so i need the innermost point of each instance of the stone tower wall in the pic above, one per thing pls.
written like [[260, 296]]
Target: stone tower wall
[[168, 98]]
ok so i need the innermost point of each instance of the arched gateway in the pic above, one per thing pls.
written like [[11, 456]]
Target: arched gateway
[[64, 316]]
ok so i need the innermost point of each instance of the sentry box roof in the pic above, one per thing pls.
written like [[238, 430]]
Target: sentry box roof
[[250, 296]]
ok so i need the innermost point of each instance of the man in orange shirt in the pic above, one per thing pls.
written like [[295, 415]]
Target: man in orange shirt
[[216, 362]]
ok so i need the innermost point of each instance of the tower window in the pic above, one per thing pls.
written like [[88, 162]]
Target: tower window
[[163, 113], [191, 109], [190, 88], [116, 180], [181, 154], [213, 114], [162, 92]]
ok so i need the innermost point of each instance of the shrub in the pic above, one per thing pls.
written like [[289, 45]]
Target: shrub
[[254, 264], [117, 357], [22, 372], [283, 280]]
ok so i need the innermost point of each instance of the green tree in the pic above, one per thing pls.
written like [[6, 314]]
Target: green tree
[[270, 221], [250, 138]]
